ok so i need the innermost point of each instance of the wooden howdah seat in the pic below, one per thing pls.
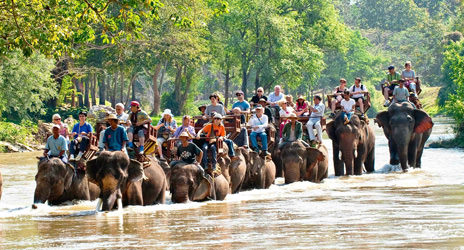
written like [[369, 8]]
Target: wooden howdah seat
[[338, 107], [270, 132], [92, 148], [150, 140], [412, 99], [304, 120]]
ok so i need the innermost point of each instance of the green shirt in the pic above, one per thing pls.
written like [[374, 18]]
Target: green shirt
[[288, 128], [394, 77]]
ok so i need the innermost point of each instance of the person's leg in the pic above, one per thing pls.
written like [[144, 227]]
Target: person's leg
[[282, 145], [349, 115], [160, 141], [254, 143], [309, 126], [72, 149], [141, 140], [412, 86], [361, 105], [263, 141], [84, 144], [318, 127], [334, 104], [130, 137], [230, 145], [212, 148], [204, 159]]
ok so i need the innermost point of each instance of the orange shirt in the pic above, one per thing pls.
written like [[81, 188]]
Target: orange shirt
[[218, 130]]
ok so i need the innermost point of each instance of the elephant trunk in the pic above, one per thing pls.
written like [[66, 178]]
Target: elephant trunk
[[108, 200], [42, 193], [348, 159], [180, 191], [402, 137], [292, 170]]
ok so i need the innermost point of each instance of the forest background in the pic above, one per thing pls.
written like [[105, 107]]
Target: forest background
[[62, 56]]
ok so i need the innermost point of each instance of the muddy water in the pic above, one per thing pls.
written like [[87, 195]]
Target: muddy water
[[420, 209]]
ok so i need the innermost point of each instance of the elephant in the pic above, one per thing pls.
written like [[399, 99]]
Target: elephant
[[57, 182], [407, 129], [318, 164], [234, 171], [355, 141], [261, 171], [301, 163], [126, 181], [189, 184]]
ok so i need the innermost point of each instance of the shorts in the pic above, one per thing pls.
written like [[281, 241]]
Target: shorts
[[139, 131], [392, 87], [357, 98], [160, 140]]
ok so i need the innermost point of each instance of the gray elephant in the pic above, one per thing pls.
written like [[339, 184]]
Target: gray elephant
[[407, 129], [57, 182], [318, 164], [126, 181], [261, 171], [234, 171], [356, 142], [189, 184], [303, 163]]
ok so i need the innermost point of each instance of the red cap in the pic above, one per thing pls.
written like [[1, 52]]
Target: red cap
[[135, 103]]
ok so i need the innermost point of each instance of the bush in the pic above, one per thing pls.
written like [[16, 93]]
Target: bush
[[14, 133]]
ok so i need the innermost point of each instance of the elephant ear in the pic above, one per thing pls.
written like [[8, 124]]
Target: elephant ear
[[383, 120], [135, 171], [423, 121], [91, 170], [203, 189], [69, 176], [330, 128], [315, 152]]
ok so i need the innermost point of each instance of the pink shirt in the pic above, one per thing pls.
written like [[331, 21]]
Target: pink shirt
[[302, 107], [281, 127]]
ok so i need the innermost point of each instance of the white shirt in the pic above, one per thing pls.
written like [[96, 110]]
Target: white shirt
[[286, 112], [347, 105], [320, 110], [356, 89], [261, 123], [273, 98]]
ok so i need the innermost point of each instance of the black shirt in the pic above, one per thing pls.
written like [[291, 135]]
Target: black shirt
[[255, 98], [188, 154]]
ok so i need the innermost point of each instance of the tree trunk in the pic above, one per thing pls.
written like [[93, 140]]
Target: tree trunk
[[94, 89], [121, 84], [73, 97], [115, 85], [86, 91], [129, 87], [258, 72], [226, 86], [188, 83], [78, 86], [245, 64], [102, 90], [156, 93], [134, 77]]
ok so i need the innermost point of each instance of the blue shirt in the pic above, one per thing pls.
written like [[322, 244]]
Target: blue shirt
[[55, 146], [115, 138], [244, 106], [87, 128], [180, 129]]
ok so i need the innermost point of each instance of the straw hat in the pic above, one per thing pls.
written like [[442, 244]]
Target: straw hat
[[111, 117], [184, 134]]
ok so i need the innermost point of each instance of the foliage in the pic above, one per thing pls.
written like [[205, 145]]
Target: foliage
[[13, 133], [25, 84]]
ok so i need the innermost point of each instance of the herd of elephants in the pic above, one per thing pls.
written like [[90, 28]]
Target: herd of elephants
[[117, 180]]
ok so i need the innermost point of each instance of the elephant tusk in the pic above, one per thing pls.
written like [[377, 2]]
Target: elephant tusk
[[119, 204], [355, 154], [99, 205]]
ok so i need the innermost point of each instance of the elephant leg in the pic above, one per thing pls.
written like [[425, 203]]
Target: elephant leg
[[133, 194], [370, 161], [394, 159], [313, 172], [412, 153], [338, 164], [420, 150], [358, 162]]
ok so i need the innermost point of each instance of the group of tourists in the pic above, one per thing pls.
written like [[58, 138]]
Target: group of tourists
[[255, 116]]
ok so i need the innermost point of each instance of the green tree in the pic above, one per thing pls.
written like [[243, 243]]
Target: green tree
[[25, 84]]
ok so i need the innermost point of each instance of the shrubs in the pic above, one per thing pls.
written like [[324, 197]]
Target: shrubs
[[13, 133]]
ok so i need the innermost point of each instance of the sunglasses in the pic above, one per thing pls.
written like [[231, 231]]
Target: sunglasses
[[217, 118], [238, 94], [57, 119], [260, 91]]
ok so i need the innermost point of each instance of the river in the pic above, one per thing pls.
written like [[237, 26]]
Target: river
[[388, 209]]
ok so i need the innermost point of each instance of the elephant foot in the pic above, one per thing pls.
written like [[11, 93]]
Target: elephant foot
[[405, 170]]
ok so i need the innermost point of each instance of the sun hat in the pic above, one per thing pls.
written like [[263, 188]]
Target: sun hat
[[112, 117], [167, 112], [184, 134], [55, 126], [217, 116]]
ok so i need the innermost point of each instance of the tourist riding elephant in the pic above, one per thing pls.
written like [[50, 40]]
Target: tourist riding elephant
[[56, 183], [356, 142], [122, 179], [318, 164], [189, 184], [260, 172], [407, 129], [234, 171]]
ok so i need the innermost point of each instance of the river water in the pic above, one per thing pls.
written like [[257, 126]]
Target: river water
[[388, 209]]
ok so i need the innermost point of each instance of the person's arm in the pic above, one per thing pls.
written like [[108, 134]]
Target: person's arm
[[45, 152], [159, 124], [200, 155], [353, 108]]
